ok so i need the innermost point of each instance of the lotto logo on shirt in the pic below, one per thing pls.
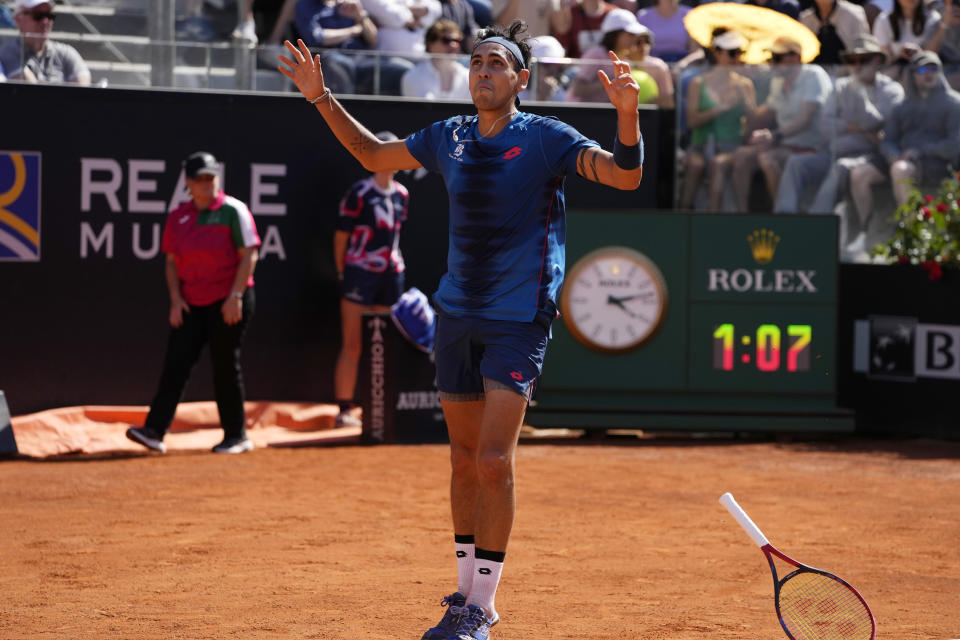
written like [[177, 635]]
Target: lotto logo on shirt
[[512, 153], [19, 206]]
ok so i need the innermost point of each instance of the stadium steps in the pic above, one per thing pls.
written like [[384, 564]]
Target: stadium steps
[[112, 37]]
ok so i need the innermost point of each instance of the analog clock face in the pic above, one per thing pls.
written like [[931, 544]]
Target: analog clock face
[[613, 299]]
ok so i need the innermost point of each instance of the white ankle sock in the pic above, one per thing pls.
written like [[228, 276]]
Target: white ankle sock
[[465, 562], [486, 578]]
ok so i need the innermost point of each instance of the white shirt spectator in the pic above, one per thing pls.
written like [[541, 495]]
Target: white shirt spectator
[[426, 80], [402, 23], [884, 32], [812, 84]]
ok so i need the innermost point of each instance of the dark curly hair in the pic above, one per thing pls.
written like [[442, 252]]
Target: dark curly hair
[[513, 33]]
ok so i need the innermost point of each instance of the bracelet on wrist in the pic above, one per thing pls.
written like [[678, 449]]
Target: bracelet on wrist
[[320, 99], [236, 294]]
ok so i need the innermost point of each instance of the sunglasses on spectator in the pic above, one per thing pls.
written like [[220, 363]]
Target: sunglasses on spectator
[[450, 40], [927, 68], [40, 15], [777, 58], [733, 53], [864, 59]]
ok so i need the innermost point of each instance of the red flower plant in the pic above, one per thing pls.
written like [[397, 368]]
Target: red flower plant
[[934, 271]]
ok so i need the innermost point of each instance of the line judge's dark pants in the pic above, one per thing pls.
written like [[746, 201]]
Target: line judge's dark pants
[[201, 326]]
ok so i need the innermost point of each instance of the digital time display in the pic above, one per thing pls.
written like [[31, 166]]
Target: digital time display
[[760, 347], [769, 347]]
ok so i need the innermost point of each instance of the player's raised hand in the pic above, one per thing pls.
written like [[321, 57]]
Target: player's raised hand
[[304, 69], [622, 91]]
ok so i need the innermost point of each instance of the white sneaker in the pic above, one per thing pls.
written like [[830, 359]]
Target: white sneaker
[[347, 420], [859, 244], [246, 30], [233, 445]]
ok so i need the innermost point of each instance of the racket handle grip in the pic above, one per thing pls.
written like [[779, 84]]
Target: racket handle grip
[[743, 520]]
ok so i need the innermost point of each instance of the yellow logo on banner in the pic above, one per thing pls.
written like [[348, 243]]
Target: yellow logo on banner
[[763, 244], [19, 206]]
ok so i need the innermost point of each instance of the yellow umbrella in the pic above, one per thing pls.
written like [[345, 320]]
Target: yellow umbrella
[[759, 25]]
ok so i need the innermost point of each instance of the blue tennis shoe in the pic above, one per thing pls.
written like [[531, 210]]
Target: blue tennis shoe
[[473, 624], [448, 624]]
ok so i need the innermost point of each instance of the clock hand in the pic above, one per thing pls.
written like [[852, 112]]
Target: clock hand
[[619, 302], [646, 294]]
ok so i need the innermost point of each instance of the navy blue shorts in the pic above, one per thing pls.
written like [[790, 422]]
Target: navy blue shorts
[[369, 289], [469, 350]]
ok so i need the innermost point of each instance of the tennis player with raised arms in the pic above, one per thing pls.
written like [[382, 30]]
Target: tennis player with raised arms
[[504, 171]]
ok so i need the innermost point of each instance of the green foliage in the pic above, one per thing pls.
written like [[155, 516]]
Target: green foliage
[[927, 231]]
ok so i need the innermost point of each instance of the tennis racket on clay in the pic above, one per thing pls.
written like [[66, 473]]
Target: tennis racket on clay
[[811, 604]]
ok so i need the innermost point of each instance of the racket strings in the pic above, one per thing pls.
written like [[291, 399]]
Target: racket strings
[[814, 606]]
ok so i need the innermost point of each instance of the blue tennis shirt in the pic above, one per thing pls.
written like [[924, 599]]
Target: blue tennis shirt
[[507, 213]]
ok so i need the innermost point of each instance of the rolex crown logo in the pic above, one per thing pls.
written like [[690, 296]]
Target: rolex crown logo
[[763, 244]]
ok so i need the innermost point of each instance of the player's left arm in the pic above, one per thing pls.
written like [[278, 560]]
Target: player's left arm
[[621, 169]]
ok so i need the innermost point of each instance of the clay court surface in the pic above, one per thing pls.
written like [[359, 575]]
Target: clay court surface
[[615, 539]]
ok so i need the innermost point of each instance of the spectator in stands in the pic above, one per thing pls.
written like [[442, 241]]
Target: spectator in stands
[[552, 78], [339, 26], [837, 24], [715, 106], [6, 18], [542, 17], [403, 23], [441, 77], [370, 268], [460, 12], [665, 20], [788, 7], [38, 57], [211, 251], [788, 120], [631, 41], [852, 120], [949, 49], [3, 76], [922, 138], [579, 23], [482, 12], [920, 142], [906, 30]]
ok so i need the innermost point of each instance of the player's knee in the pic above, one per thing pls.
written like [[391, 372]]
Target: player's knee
[[494, 467], [462, 458]]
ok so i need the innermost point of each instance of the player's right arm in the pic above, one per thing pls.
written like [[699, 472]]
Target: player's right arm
[[374, 155]]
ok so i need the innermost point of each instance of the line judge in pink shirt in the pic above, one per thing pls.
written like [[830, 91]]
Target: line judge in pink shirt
[[211, 247]]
